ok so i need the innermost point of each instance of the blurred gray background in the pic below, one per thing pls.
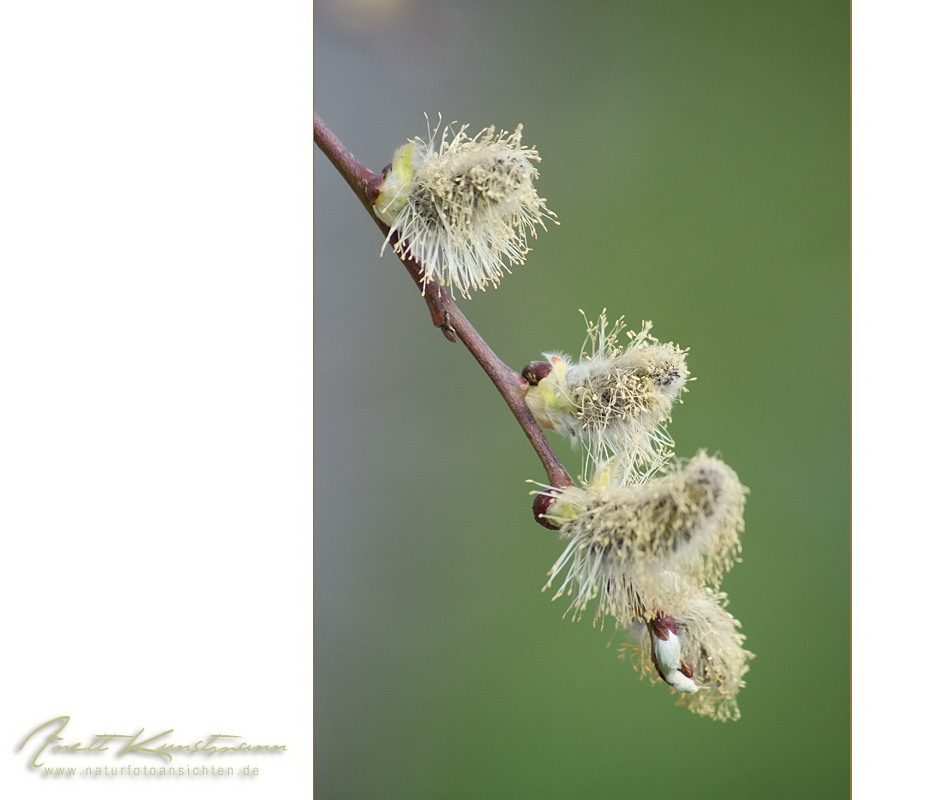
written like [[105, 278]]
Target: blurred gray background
[[697, 156]]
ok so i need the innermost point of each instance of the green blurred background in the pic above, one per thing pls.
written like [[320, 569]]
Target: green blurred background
[[697, 156]]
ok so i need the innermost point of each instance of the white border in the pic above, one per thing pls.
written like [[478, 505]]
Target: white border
[[900, 212], [156, 401]]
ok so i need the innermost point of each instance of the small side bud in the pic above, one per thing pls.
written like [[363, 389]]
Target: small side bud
[[536, 371], [540, 507]]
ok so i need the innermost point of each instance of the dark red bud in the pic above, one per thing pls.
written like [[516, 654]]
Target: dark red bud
[[536, 372], [540, 508], [663, 626]]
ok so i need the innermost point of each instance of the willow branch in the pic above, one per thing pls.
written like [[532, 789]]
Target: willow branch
[[445, 313]]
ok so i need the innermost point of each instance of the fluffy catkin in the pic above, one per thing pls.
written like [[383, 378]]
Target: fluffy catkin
[[616, 398], [463, 207], [637, 549]]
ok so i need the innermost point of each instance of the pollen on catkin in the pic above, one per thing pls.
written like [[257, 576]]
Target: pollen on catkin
[[638, 550], [463, 206], [711, 647], [616, 398]]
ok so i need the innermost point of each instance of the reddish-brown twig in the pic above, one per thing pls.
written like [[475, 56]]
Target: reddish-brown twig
[[445, 314]]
